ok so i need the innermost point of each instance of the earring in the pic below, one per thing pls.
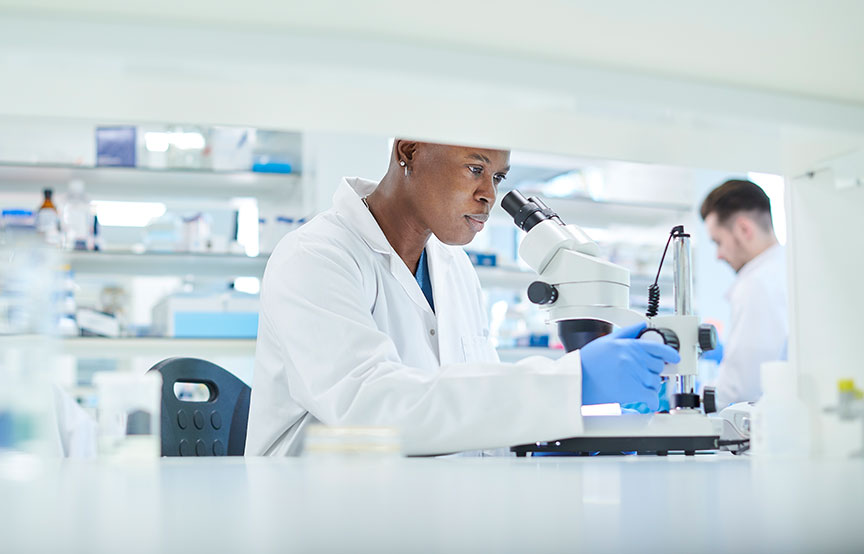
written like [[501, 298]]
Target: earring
[[406, 170], [402, 163]]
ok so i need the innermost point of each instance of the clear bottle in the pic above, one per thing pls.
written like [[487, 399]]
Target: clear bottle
[[47, 219], [77, 219], [780, 426]]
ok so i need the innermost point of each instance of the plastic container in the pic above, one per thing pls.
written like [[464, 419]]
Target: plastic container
[[28, 363], [13, 223], [129, 415], [780, 426], [231, 148], [77, 219], [163, 234], [196, 233]]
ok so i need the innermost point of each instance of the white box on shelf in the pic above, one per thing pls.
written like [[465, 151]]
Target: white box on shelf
[[92, 322], [197, 315]]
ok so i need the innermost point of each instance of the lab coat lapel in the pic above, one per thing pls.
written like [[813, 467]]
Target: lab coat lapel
[[409, 282], [440, 259], [350, 206], [446, 311]]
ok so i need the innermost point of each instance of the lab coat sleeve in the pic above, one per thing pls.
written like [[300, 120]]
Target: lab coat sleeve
[[345, 371], [757, 334]]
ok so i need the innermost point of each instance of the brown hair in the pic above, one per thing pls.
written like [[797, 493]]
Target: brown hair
[[735, 196]]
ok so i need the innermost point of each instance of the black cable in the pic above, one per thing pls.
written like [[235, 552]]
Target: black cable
[[653, 300], [654, 289], [743, 443]]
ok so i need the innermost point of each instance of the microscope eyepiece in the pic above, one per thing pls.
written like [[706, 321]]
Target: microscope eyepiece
[[527, 212]]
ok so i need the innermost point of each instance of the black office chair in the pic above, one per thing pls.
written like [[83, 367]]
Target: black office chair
[[216, 427]]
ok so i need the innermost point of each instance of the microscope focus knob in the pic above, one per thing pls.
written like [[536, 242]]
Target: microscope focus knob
[[707, 337], [709, 400], [667, 336], [542, 293]]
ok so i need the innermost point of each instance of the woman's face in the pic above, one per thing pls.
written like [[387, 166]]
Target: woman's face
[[454, 188]]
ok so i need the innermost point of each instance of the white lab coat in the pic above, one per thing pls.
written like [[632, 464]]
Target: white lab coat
[[759, 326], [346, 337]]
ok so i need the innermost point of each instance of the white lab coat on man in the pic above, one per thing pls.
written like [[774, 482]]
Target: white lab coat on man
[[759, 326], [346, 337]]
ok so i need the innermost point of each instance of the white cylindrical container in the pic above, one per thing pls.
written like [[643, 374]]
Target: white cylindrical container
[[780, 426], [129, 415]]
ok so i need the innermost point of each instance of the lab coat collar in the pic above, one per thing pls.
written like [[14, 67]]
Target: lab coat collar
[[349, 204], [348, 201], [764, 258]]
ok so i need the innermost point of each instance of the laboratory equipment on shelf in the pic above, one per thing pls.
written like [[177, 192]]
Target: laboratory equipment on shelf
[[207, 314], [585, 295], [850, 406]]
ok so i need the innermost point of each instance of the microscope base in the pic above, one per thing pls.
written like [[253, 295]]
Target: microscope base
[[583, 446], [642, 433]]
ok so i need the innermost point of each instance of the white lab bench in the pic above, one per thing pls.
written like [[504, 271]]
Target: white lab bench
[[710, 503]]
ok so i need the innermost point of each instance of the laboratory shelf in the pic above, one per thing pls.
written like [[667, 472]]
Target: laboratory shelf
[[95, 347], [505, 278], [587, 212], [511, 355], [518, 279], [152, 264], [143, 184]]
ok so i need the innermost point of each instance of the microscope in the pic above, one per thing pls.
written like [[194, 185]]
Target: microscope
[[585, 296]]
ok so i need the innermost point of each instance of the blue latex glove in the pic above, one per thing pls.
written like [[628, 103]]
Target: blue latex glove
[[621, 368], [716, 354], [642, 408]]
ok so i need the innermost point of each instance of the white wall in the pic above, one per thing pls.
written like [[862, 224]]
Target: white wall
[[46, 140], [826, 265], [111, 71], [330, 156]]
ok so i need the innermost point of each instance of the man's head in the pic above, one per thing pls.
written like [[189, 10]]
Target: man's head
[[450, 189], [738, 217]]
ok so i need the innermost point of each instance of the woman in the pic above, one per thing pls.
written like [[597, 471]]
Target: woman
[[371, 314]]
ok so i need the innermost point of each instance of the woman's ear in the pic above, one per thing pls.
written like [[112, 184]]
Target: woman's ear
[[405, 151]]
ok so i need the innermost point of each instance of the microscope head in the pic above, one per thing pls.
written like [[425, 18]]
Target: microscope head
[[580, 292]]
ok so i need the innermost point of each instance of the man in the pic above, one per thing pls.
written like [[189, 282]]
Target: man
[[737, 215], [371, 314]]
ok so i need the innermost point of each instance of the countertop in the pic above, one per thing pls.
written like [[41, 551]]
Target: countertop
[[706, 503]]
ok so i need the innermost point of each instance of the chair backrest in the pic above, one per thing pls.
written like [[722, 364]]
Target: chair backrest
[[216, 427]]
